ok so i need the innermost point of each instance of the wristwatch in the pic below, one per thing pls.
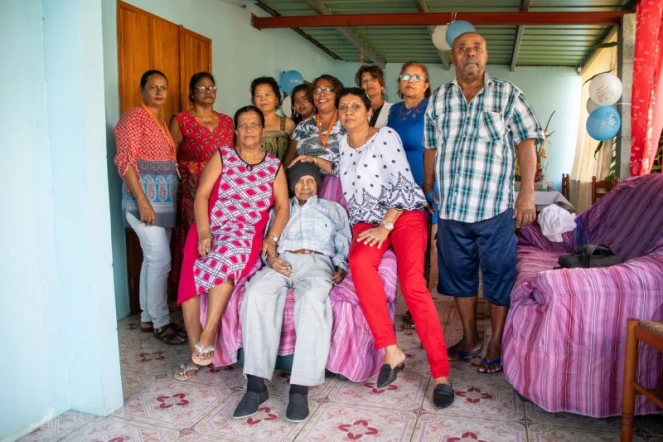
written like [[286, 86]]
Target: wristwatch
[[388, 225], [275, 238]]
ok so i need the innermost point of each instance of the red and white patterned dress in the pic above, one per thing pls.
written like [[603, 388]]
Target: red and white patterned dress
[[239, 211]]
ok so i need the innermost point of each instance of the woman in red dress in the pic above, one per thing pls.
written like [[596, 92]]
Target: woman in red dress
[[198, 133]]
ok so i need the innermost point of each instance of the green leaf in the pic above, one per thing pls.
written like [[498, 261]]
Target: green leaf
[[611, 44], [594, 76], [598, 149]]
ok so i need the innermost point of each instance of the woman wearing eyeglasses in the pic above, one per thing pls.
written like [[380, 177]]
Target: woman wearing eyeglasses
[[266, 96], [197, 132], [317, 139]]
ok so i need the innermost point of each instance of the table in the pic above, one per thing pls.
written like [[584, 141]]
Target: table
[[543, 198]]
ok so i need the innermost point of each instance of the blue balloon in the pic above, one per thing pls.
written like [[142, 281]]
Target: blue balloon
[[290, 79], [603, 123], [456, 28]]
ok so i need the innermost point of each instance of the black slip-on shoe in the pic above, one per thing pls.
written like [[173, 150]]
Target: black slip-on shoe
[[443, 396], [388, 375], [250, 403], [297, 408]]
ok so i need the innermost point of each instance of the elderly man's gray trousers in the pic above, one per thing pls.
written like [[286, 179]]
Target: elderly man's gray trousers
[[262, 317]]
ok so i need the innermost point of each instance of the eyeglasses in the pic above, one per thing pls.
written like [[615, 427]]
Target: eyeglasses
[[408, 77], [326, 90], [246, 126], [202, 89]]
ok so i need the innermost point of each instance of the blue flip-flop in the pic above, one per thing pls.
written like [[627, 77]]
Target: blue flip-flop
[[488, 363], [463, 354]]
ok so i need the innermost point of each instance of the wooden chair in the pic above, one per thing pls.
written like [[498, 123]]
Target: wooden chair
[[649, 333], [565, 186], [601, 188]]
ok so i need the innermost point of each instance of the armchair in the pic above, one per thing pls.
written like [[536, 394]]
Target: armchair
[[566, 330]]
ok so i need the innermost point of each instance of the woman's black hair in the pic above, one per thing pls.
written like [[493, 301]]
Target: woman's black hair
[[148, 74], [335, 82], [306, 87], [354, 91], [270, 81], [406, 65], [247, 109], [195, 78]]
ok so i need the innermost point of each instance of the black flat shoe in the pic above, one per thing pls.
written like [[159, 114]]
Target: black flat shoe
[[250, 403], [388, 375], [443, 396], [297, 408]]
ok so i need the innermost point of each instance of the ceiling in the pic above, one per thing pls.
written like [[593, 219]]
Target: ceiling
[[568, 45]]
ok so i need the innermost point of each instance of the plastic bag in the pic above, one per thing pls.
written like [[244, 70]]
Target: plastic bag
[[555, 221]]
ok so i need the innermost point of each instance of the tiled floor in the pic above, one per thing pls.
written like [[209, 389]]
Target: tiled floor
[[159, 408]]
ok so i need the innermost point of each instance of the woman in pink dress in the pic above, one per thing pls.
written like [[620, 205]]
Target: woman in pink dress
[[236, 191], [198, 133]]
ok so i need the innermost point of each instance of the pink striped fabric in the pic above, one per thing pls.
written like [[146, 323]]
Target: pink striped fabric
[[352, 352], [564, 338]]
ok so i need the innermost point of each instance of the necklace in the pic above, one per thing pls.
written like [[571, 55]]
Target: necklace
[[325, 138], [362, 141]]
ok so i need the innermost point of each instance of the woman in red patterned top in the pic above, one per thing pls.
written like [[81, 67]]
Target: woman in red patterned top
[[198, 133], [145, 160]]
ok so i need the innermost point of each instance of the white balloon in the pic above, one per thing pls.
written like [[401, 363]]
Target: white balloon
[[286, 106], [591, 105], [605, 89], [440, 38]]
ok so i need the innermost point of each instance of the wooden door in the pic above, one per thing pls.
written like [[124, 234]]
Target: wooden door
[[195, 56], [133, 35]]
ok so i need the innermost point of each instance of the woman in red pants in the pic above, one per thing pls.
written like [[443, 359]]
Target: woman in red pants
[[387, 209]]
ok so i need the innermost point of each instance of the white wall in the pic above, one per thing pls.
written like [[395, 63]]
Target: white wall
[[240, 53], [59, 347], [547, 89]]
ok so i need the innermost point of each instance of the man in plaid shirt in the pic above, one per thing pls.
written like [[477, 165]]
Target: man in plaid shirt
[[475, 125]]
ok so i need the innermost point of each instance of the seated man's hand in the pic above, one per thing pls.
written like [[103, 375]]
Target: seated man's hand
[[279, 265], [338, 276]]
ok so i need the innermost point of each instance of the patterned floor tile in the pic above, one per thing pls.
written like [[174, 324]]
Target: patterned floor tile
[[537, 415], [228, 377], [121, 430], [59, 427], [650, 424], [406, 393], [559, 433], [340, 422], [477, 395], [280, 385], [172, 404], [440, 427], [156, 360], [134, 381], [268, 424]]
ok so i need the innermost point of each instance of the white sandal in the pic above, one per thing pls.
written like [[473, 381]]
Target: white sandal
[[185, 369], [202, 352]]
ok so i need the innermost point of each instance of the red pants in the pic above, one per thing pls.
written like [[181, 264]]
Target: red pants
[[409, 240]]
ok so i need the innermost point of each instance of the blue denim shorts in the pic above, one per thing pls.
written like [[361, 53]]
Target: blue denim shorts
[[463, 248]]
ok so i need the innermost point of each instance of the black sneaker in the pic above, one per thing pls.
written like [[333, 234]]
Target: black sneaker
[[297, 408], [250, 403]]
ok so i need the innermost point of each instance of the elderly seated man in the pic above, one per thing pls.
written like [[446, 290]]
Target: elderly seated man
[[312, 256]]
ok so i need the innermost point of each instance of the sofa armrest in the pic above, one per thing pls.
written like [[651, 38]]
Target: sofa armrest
[[532, 236]]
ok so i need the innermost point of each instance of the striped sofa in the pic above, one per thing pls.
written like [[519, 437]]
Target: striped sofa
[[564, 338]]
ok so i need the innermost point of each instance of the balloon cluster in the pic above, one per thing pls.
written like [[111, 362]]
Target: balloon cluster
[[289, 80], [604, 121], [444, 35]]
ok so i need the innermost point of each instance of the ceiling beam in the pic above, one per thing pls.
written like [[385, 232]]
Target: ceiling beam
[[322, 9], [436, 18], [524, 6], [315, 42], [422, 7]]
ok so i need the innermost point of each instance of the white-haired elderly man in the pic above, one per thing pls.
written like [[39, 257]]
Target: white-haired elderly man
[[312, 256]]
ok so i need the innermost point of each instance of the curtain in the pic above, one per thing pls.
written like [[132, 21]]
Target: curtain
[[585, 166], [647, 92]]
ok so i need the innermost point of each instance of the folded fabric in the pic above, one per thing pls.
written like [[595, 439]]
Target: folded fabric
[[555, 221]]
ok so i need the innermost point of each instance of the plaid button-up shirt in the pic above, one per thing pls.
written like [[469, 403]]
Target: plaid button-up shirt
[[475, 145]]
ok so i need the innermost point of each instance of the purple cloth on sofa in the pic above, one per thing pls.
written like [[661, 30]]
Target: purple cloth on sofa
[[564, 339]]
